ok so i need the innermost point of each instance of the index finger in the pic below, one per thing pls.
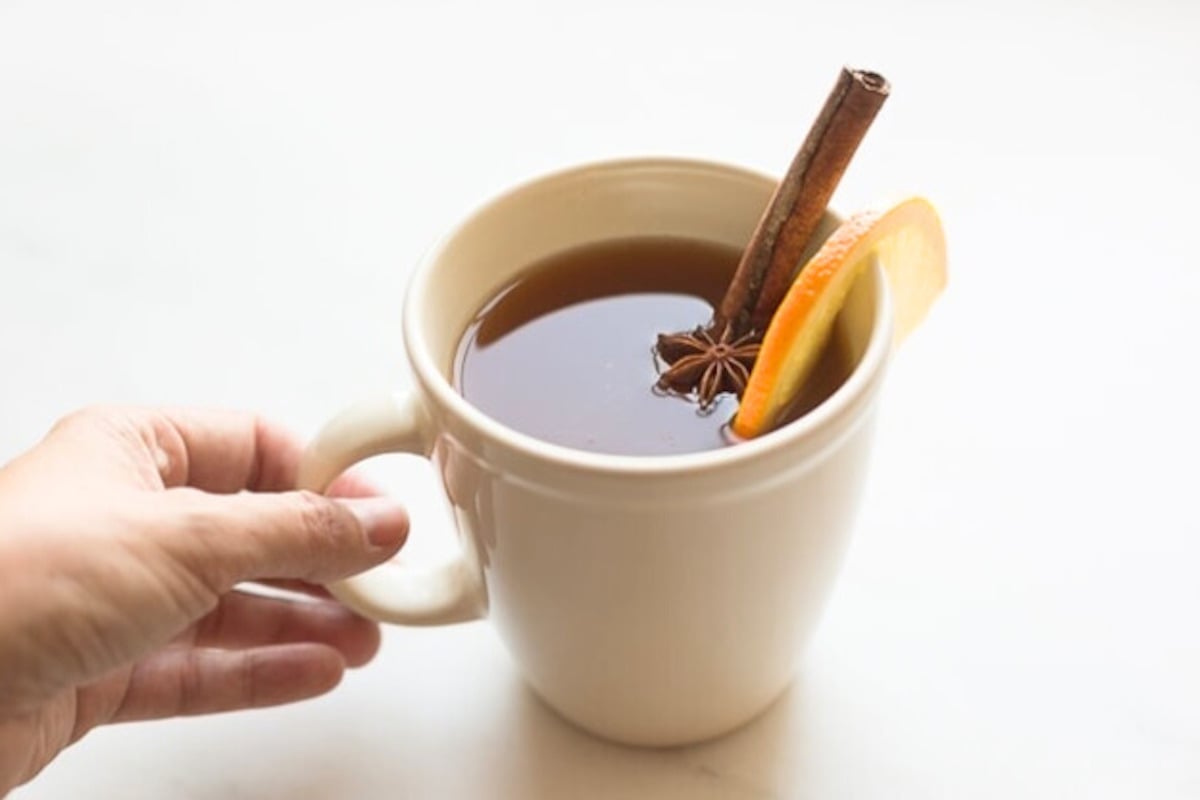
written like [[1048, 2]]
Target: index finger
[[224, 451], [229, 451]]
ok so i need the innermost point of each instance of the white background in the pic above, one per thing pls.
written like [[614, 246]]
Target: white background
[[218, 204]]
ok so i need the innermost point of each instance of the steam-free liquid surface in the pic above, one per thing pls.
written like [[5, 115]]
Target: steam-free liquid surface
[[565, 353]]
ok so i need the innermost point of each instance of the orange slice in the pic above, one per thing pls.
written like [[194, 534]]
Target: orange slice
[[911, 245]]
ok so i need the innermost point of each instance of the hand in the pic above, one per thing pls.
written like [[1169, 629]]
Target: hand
[[122, 538]]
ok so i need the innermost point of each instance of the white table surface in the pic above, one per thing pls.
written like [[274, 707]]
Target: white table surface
[[218, 204]]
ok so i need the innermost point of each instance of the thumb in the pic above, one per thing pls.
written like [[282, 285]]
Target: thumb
[[225, 539]]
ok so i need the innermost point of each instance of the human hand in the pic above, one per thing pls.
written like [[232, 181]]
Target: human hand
[[122, 537]]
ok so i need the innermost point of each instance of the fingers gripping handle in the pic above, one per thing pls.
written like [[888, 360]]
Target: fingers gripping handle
[[405, 594]]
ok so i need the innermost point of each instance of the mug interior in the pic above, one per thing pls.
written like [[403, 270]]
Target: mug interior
[[645, 197]]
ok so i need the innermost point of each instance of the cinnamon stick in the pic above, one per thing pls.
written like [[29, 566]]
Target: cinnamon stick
[[768, 264]]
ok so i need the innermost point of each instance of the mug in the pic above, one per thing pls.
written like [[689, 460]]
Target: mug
[[652, 600]]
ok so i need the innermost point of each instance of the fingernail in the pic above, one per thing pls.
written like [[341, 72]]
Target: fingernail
[[384, 521]]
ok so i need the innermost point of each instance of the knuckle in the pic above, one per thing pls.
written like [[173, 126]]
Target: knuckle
[[321, 519], [140, 431], [92, 416], [189, 684], [247, 681]]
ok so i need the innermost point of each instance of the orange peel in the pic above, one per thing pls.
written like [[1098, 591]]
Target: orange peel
[[911, 246]]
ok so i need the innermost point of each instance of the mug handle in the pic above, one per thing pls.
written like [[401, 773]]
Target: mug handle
[[405, 594]]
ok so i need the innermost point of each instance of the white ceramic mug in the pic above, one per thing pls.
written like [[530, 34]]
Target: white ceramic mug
[[654, 600]]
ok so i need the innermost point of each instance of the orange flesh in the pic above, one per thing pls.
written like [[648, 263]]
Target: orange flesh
[[801, 326]]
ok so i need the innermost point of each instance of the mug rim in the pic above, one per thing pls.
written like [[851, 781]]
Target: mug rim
[[840, 402]]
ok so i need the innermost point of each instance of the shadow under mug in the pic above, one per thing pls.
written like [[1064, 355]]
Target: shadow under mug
[[654, 600]]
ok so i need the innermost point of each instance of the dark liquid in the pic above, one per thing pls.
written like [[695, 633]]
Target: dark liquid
[[565, 353]]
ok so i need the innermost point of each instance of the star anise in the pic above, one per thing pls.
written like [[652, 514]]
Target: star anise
[[707, 365]]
